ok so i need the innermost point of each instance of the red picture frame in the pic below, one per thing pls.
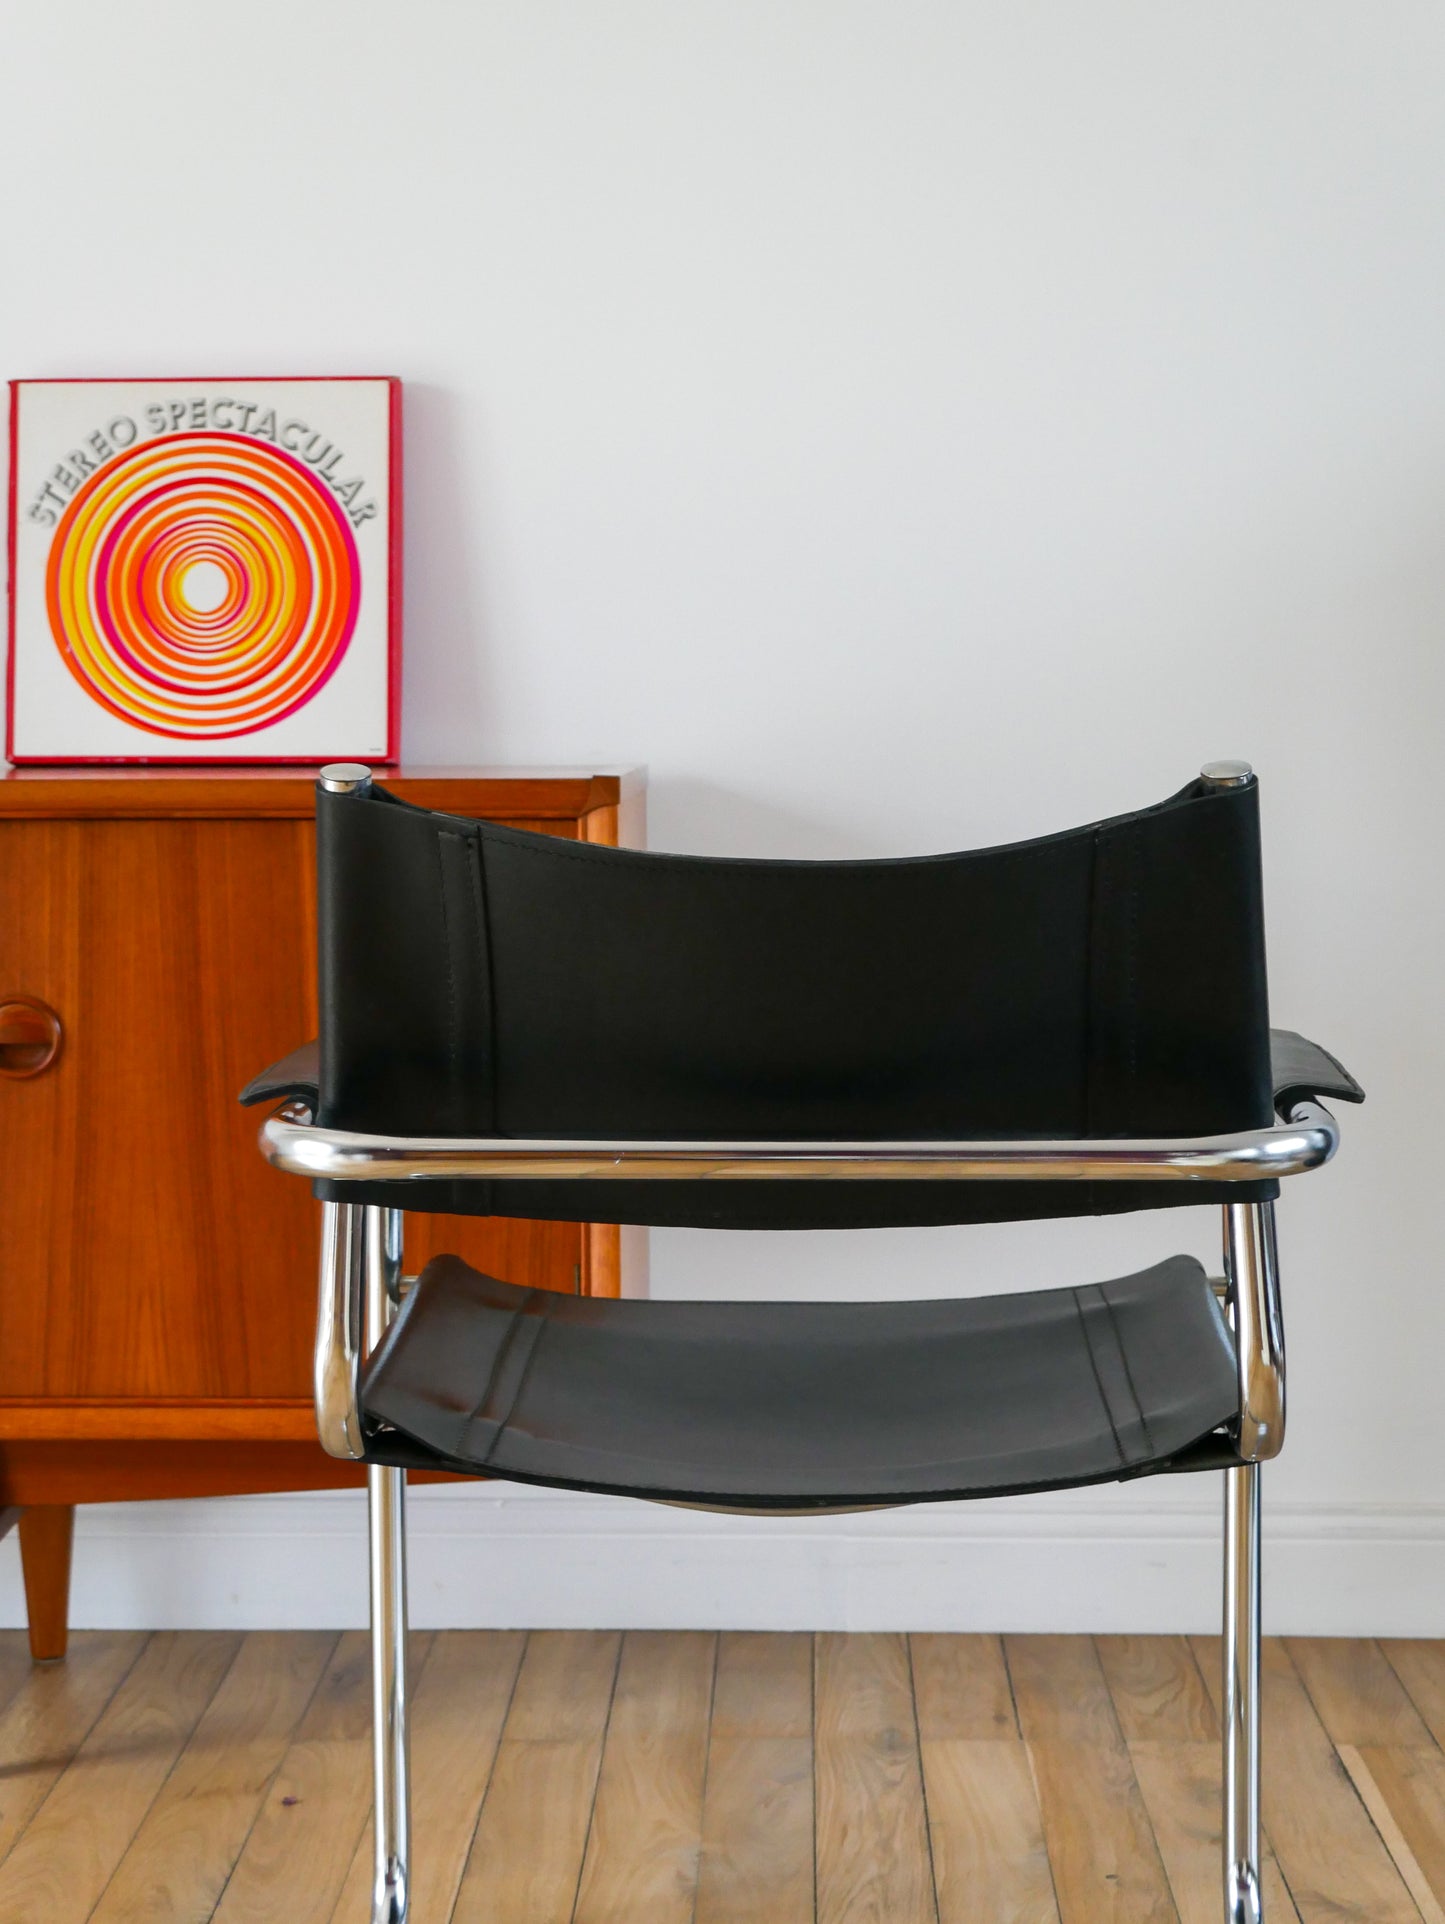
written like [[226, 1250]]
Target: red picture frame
[[382, 743]]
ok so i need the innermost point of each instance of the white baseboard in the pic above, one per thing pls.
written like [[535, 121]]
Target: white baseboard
[[494, 1555]]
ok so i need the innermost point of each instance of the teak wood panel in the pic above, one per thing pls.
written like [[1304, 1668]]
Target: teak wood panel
[[149, 1255]]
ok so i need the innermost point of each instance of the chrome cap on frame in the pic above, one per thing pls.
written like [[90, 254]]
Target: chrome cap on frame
[[344, 778]]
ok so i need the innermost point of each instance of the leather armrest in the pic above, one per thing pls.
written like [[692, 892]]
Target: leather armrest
[[1301, 1069], [298, 1074]]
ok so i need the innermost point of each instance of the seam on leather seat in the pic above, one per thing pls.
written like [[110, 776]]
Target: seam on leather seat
[[504, 1380], [1128, 1372], [1108, 1363]]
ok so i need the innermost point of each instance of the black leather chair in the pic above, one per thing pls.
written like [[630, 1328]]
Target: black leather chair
[[519, 1026]]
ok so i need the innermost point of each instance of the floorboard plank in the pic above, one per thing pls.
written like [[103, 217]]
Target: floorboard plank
[[645, 1842], [1060, 1691], [1356, 1694], [298, 1852], [526, 1858], [1105, 1863], [1420, 1666], [1182, 1792], [50, 1717], [1156, 1689], [584, 1778], [1404, 1792], [764, 1685], [757, 1832], [181, 1856], [1337, 1869], [990, 1861], [757, 1821], [457, 1711], [61, 1865], [962, 1687], [17, 1666], [872, 1839]]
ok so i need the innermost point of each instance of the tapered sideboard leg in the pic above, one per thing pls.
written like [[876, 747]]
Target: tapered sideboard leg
[[46, 1533]]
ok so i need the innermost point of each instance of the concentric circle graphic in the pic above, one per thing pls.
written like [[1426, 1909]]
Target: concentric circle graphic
[[203, 585]]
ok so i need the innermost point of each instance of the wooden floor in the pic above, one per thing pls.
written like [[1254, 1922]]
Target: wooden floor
[[685, 1778]]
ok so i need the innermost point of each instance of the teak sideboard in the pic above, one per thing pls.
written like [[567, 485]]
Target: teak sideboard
[[157, 1280]]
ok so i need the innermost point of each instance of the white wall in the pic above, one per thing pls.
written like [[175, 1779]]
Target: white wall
[[903, 426]]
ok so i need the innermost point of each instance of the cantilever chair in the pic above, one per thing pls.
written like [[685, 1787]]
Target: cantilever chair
[[513, 1025]]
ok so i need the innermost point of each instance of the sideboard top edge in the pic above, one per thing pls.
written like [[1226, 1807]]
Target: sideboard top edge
[[288, 794]]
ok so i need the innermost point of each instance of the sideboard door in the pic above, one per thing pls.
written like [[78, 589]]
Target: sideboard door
[[148, 1252]]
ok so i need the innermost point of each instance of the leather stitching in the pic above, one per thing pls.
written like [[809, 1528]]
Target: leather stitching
[[1139, 1415], [453, 1065], [484, 947], [1077, 1295], [526, 1329]]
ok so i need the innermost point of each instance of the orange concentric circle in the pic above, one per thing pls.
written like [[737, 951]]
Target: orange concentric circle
[[203, 585]]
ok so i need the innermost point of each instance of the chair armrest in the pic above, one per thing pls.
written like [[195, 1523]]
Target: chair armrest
[[1302, 1071], [298, 1074]]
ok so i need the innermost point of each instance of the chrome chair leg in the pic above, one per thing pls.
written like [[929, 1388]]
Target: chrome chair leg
[[386, 1505], [386, 1491], [1243, 1900]]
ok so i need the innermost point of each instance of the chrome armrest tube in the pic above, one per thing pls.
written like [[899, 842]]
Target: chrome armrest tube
[[361, 1248], [337, 1364], [292, 1141], [360, 1276], [1251, 1262]]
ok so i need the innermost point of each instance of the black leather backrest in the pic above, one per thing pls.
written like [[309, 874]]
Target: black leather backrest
[[479, 980]]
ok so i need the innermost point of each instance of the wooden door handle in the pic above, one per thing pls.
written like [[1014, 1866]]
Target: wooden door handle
[[30, 1035]]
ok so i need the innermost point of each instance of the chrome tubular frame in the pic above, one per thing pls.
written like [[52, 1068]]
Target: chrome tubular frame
[[1251, 1261], [1251, 1265], [386, 1505], [1243, 1897], [337, 1363], [292, 1141]]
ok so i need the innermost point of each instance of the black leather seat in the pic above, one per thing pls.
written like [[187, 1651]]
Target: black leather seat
[[799, 1405]]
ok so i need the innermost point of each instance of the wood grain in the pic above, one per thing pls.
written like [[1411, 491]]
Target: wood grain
[[990, 1860], [872, 1836], [757, 1827], [69, 1851], [15, 1670], [962, 1687], [1404, 1792], [289, 794], [1060, 1691], [119, 1780], [1420, 1666], [49, 1718], [457, 1712], [47, 1536], [300, 1847], [75, 1470], [1357, 1695], [1331, 1855], [1181, 1784], [757, 1832], [181, 1856], [764, 1685], [168, 1296], [547, 1762], [1156, 1689], [1105, 1862], [642, 1855]]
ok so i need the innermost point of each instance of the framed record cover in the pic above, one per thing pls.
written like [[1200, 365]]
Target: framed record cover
[[205, 571]]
